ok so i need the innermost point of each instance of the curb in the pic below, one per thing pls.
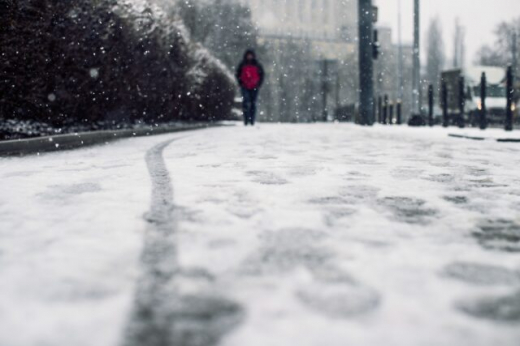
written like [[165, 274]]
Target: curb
[[500, 140], [508, 140], [39, 145], [467, 137]]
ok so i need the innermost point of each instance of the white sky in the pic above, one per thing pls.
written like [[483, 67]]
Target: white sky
[[480, 17]]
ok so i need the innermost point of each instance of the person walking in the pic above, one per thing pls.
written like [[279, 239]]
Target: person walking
[[250, 76]]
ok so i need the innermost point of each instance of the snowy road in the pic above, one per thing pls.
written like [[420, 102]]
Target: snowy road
[[280, 235]]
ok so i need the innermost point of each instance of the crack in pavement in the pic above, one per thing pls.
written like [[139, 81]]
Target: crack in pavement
[[165, 313]]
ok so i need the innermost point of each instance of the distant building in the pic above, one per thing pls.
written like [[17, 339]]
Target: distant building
[[387, 72], [320, 20], [311, 49]]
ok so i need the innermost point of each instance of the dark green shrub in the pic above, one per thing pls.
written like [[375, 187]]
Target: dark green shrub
[[83, 61]]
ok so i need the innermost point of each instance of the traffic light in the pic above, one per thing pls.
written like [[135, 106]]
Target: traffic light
[[376, 46]]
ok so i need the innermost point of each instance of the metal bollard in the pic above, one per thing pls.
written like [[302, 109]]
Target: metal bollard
[[462, 102], [385, 109], [445, 120], [430, 105], [380, 110], [510, 95], [399, 113], [483, 110], [391, 117]]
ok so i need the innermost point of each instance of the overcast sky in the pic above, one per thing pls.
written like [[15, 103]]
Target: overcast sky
[[480, 17]]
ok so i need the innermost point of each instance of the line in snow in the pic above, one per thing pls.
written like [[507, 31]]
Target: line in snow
[[165, 313]]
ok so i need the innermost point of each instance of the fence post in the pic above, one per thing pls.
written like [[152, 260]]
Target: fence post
[[430, 105], [445, 120], [385, 109], [483, 110], [374, 110], [399, 113], [324, 89], [462, 102], [380, 110], [510, 95], [391, 117]]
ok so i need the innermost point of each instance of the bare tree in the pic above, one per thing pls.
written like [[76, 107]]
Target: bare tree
[[225, 27], [502, 53], [435, 53], [459, 45], [488, 56]]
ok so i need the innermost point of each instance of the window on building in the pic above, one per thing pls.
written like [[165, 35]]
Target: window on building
[[326, 11], [301, 10], [288, 8], [345, 33], [314, 11]]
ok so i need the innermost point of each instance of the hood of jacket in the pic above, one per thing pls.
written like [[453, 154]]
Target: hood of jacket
[[249, 51]]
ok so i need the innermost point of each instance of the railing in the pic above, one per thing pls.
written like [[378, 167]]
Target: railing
[[456, 114], [389, 112]]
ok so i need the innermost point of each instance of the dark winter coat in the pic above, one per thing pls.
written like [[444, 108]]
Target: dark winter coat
[[246, 66]]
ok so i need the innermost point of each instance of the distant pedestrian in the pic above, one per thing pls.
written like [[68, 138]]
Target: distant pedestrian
[[250, 76]]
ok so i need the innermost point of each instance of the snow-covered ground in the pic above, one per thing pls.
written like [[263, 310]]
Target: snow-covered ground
[[308, 235]]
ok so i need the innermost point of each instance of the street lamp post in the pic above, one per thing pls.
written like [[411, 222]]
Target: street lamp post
[[416, 97]]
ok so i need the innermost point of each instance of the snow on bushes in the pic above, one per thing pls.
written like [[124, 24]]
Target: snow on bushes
[[85, 61], [209, 86]]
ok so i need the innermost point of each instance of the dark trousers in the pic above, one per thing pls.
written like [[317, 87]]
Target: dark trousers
[[249, 105]]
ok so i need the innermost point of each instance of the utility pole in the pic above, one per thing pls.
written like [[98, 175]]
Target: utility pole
[[416, 61], [400, 61], [366, 64]]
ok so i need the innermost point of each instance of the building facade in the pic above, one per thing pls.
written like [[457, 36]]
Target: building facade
[[317, 19], [393, 62], [309, 48]]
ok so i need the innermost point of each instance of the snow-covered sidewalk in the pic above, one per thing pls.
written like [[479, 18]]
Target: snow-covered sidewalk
[[322, 234], [71, 234]]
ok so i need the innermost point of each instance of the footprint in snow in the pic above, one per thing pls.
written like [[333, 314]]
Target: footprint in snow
[[332, 292], [458, 200], [504, 308], [409, 210], [481, 274], [267, 178], [61, 192], [499, 234], [336, 294]]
